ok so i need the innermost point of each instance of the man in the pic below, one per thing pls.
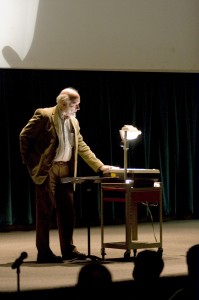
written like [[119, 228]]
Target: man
[[50, 144], [191, 289]]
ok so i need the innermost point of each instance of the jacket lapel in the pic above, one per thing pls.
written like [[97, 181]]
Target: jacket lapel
[[55, 117]]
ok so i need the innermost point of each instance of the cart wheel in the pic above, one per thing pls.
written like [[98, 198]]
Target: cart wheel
[[135, 252], [103, 253], [127, 255], [160, 251]]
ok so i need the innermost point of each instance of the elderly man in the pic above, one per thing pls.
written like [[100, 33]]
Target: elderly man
[[50, 144]]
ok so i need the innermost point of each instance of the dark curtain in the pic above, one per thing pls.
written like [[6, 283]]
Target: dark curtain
[[164, 106]]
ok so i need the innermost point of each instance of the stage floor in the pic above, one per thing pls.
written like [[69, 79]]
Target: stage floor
[[178, 236]]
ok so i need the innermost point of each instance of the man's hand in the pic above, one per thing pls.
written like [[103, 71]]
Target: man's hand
[[104, 168]]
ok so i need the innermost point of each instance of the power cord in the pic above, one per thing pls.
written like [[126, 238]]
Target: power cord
[[151, 216]]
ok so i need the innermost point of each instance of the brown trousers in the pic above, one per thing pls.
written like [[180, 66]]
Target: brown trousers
[[54, 195]]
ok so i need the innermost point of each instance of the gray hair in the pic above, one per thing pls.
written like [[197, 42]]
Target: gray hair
[[67, 94]]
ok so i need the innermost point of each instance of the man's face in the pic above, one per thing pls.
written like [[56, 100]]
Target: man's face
[[70, 107]]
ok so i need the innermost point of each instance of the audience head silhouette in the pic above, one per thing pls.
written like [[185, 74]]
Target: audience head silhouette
[[148, 265], [94, 274], [192, 259], [191, 289]]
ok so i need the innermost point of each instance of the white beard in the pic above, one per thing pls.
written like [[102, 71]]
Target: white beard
[[69, 113]]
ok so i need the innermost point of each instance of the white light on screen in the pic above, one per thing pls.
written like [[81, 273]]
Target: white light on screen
[[17, 25]]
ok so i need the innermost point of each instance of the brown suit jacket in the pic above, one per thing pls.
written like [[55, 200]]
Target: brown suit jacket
[[39, 141]]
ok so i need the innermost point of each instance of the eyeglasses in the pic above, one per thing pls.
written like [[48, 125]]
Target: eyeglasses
[[75, 105]]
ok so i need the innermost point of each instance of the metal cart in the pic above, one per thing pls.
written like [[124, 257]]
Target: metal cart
[[143, 186]]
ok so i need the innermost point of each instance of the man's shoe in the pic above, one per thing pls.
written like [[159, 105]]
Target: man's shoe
[[74, 254], [49, 259]]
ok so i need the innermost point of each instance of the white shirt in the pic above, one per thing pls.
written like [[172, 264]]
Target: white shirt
[[66, 140]]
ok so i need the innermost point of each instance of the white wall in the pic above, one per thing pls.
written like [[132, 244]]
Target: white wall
[[119, 35]]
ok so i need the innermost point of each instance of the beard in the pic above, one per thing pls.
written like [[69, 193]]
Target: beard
[[69, 113]]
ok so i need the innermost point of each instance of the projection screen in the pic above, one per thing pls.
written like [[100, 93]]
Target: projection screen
[[116, 35]]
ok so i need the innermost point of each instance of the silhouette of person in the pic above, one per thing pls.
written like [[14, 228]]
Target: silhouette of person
[[148, 265], [94, 276], [191, 290]]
